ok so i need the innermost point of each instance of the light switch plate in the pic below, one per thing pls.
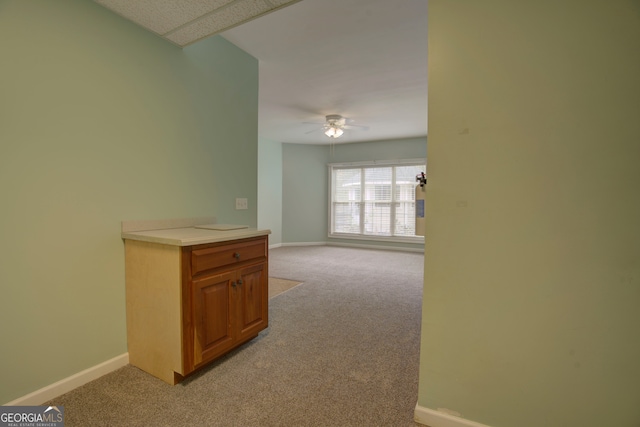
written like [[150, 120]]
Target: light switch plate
[[242, 203]]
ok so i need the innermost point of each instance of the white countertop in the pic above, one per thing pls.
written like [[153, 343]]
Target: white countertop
[[188, 236]]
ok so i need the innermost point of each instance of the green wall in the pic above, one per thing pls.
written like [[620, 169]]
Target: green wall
[[304, 193], [532, 265], [102, 121], [270, 188], [305, 185]]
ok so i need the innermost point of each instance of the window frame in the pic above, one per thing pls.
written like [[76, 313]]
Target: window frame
[[370, 164]]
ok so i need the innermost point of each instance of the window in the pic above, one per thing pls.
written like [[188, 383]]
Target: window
[[374, 200]]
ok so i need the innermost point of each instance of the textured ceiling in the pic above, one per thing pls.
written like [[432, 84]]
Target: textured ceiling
[[186, 21]]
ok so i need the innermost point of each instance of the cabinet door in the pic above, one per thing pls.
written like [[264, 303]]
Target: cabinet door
[[252, 301], [212, 311]]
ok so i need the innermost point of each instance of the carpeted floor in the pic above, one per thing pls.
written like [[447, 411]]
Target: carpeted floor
[[341, 349]]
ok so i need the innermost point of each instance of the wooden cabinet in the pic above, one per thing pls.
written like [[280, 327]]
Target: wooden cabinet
[[187, 306], [228, 289]]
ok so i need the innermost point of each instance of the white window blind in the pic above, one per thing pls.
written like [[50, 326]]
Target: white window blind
[[374, 200]]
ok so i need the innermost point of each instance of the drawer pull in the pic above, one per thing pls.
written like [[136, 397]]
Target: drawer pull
[[236, 255]]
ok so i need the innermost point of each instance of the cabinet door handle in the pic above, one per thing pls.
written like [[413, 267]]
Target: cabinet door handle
[[233, 284], [236, 255], [240, 282]]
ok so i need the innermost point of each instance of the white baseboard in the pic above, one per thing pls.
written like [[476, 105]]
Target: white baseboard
[[276, 245], [433, 418], [355, 245], [379, 247], [65, 385], [305, 244]]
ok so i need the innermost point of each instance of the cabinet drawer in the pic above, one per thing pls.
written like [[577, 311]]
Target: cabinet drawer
[[220, 256]]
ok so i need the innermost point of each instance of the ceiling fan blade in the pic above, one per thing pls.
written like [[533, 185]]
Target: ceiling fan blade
[[355, 127], [315, 130]]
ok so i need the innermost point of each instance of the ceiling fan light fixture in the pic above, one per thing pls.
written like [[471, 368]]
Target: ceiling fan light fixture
[[333, 132]]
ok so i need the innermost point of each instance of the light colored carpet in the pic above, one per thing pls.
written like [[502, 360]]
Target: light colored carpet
[[278, 286], [342, 349]]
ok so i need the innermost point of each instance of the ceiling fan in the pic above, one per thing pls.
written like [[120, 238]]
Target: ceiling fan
[[335, 126]]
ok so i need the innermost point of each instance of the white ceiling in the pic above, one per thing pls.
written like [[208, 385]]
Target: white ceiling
[[362, 59]]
